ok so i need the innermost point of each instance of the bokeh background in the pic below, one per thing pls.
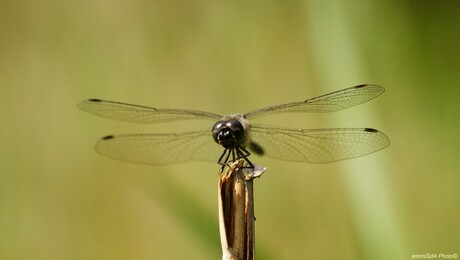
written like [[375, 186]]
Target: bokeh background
[[59, 199]]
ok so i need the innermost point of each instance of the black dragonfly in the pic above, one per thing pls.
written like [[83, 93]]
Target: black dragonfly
[[237, 136]]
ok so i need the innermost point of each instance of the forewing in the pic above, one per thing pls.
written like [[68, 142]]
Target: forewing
[[331, 102], [140, 114], [318, 145], [160, 149]]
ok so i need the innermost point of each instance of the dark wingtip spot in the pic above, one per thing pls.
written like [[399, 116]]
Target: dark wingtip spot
[[108, 137], [371, 130], [94, 100], [361, 86]]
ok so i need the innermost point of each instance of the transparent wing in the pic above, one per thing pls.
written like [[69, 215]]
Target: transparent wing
[[140, 114], [318, 145], [331, 102], [160, 149]]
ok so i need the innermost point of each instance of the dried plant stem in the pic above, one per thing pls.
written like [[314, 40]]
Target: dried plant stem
[[236, 211]]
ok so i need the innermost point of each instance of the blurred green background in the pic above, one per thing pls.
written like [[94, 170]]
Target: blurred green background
[[59, 199]]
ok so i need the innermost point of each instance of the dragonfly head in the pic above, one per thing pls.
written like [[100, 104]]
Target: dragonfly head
[[228, 133]]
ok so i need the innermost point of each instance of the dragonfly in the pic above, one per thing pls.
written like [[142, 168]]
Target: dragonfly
[[234, 137]]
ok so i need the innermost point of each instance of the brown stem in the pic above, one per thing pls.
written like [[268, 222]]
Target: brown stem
[[236, 210]]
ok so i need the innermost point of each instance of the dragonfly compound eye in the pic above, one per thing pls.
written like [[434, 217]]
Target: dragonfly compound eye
[[228, 133], [216, 129]]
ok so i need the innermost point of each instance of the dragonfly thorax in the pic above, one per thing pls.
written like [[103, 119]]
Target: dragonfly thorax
[[228, 133]]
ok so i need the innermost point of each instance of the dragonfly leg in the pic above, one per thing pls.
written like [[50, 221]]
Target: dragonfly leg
[[243, 153], [221, 156], [224, 162], [236, 153]]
